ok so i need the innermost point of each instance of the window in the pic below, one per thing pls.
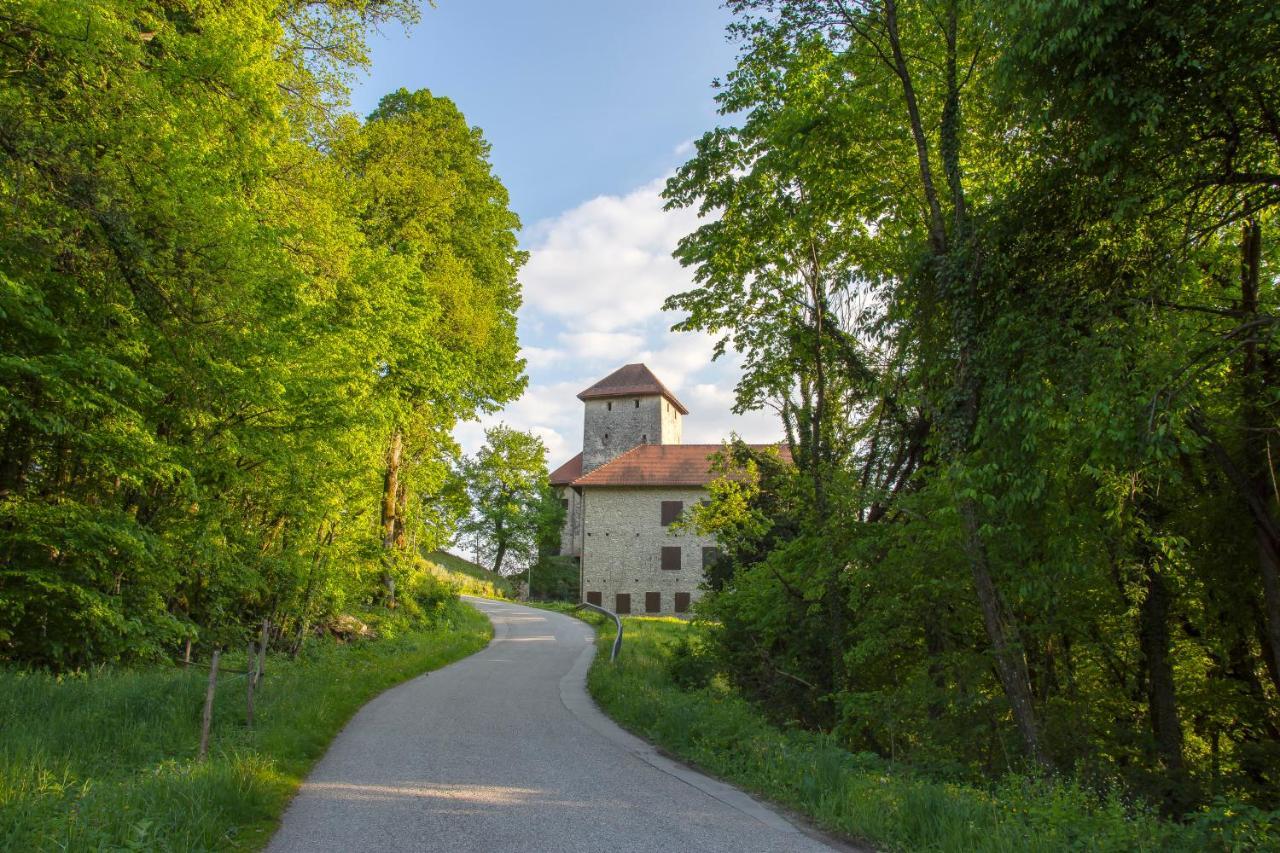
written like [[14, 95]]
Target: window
[[637, 404], [606, 438], [644, 439], [710, 556], [594, 598], [653, 602], [682, 602], [623, 603], [609, 406], [671, 511], [671, 558], [564, 503]]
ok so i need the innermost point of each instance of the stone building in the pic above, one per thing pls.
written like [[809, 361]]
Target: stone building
[[622, 493]]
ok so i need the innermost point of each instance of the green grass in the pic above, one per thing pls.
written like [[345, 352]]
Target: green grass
[[105, 761], [861, 796], [468, 577]]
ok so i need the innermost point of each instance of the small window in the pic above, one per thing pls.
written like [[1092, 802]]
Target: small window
[[564, 503], [606, 438], [594, 598], [637, 404], [682, 602], [710, 556], [644, 439], [609, 406], [671, 558], [653, 602], [623, 603], [671, 511]]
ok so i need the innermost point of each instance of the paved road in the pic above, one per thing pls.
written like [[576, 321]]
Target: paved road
[[504, 751]]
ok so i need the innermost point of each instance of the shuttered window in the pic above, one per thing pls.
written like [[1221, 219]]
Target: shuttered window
[[682, 602], [653, 602], [671, 558], [671, 511], [623, 604], [594, 598]]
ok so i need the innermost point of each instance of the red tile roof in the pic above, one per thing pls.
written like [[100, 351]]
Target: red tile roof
[[631, 380], [568, 472], [658, 465]]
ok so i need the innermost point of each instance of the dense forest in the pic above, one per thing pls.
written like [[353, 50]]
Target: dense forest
[[239, 324], [1008, 272]]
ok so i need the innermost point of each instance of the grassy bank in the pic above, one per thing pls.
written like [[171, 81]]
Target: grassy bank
[[863, 796], [468, 577], [106, 760]]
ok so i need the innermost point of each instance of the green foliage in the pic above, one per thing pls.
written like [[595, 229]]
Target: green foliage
[[105, 760], [555, 578], [223, 298], [861, 795], [1009, 274], [512, 504]]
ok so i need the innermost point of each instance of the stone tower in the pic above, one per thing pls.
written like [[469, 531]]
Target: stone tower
[[627, 408]]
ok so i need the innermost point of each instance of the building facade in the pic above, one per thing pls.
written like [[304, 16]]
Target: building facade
[[625, 493]]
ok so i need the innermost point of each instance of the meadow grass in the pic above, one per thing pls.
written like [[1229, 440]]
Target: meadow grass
[[106, 760], [467, 577], [865, 798]]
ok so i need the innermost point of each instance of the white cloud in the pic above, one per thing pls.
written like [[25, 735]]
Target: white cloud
[[607, 263], [594, 286]]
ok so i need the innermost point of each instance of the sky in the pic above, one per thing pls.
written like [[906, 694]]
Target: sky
[[589, 105]]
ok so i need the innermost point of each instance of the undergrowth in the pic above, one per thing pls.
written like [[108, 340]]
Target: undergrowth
[[661, 690], [106, 760]]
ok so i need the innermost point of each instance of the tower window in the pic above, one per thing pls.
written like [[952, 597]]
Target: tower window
[[609, 406], [644, 439], [637, 404], [606, 438]]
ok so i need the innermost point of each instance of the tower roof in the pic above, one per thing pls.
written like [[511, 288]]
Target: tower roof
[[631, 380], [663, 465]]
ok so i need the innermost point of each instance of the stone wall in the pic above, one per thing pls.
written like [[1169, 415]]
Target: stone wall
[[612, 427], [571, 532], [622, 548]]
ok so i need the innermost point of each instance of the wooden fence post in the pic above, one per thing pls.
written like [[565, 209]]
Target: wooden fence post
[[250, 681], [262, 649], [207, 718]]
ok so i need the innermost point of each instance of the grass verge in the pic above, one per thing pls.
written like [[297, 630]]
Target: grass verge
[[863, 797], [106, 761], [468, 577]]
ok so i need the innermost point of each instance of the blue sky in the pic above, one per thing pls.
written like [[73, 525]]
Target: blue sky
[[588, 105]]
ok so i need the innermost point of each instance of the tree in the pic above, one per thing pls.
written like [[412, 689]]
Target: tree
[[507, 483]]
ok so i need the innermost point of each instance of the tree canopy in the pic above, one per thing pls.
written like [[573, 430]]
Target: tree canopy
[[235, 317], [1006, 271]]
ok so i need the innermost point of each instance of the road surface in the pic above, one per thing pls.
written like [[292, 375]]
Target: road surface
[[505, 751]]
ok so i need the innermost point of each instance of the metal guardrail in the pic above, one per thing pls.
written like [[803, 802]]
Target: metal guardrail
[[617, 640]]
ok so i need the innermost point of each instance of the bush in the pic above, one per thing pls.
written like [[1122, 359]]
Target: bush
[[689, 666]]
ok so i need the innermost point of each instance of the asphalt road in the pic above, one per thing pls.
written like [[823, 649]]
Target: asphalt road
[[505, 751]]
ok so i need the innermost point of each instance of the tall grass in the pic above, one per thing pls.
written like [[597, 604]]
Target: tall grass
[[467, 577], [106, 760], [864, 797]]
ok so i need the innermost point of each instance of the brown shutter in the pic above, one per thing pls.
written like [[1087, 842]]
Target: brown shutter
[[594, 598], [682, 602], [624, 603], [671, 511], [653, 602], [710, 556], [671, 558]]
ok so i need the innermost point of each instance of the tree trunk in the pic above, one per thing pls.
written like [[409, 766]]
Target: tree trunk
[[499, 536], [390, 526], [1162, 703], [1257, 373]]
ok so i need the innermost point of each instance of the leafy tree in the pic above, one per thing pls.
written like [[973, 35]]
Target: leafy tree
[[507, 483]]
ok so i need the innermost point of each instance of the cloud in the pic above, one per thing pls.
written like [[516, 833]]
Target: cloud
[[607, 263], [593, 291]]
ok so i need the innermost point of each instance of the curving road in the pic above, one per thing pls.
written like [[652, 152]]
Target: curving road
[[505, 751]]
